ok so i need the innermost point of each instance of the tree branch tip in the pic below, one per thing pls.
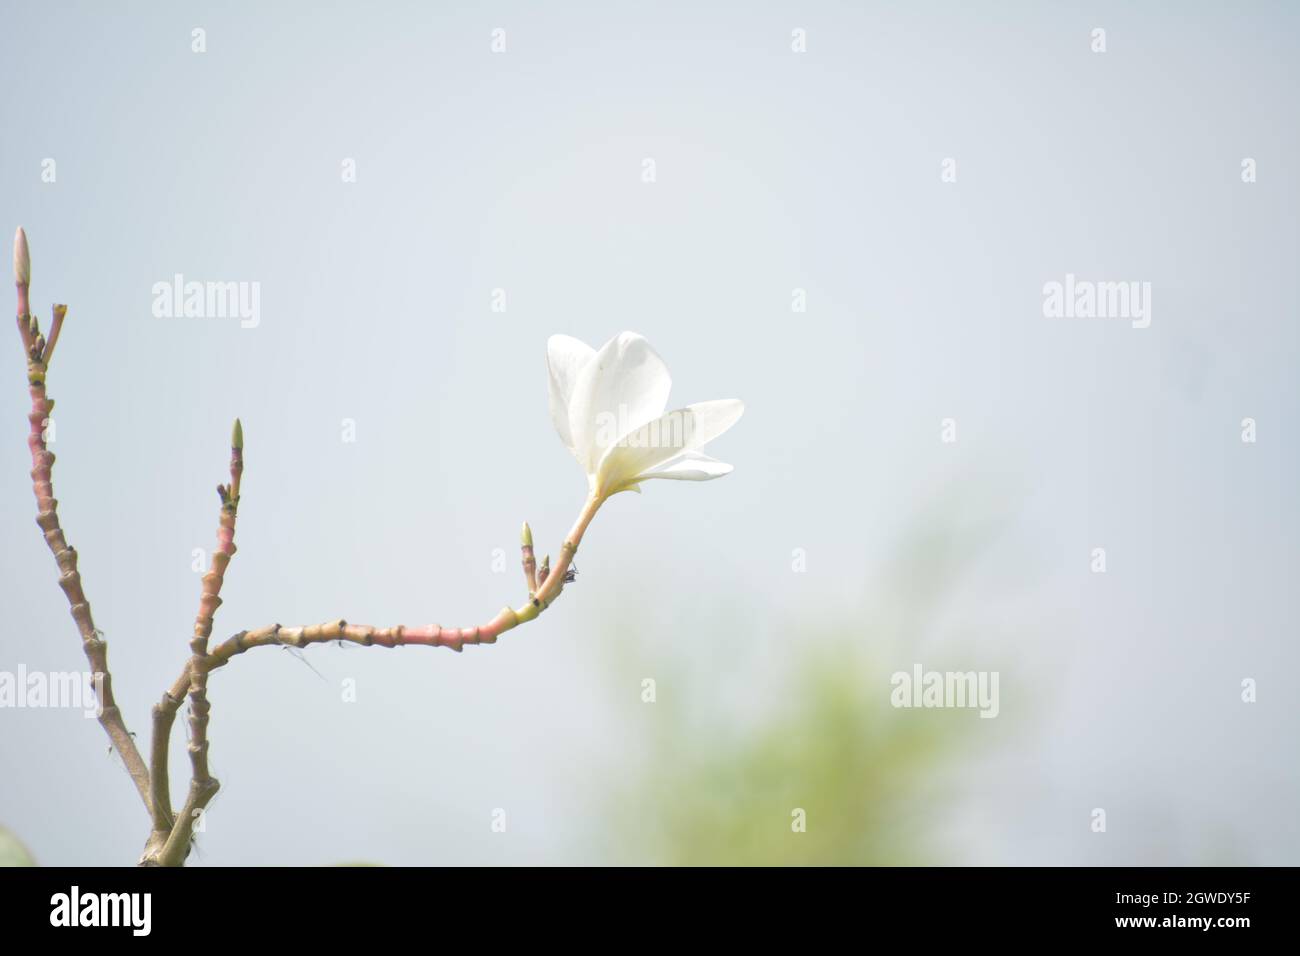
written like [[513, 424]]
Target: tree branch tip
[[22, 259]]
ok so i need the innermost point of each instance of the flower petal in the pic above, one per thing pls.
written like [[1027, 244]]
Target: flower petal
[[712, 419], [690, 466], [664, 441], [565, 358], [624, 386]]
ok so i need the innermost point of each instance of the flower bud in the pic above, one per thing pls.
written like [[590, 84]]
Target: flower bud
[[22, 259]]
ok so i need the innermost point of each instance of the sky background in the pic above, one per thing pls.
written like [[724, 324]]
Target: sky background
[[775, 171]]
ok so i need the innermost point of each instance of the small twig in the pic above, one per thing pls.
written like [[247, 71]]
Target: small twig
[[56, 326], [164, 715], [47, 517], [203, 786]]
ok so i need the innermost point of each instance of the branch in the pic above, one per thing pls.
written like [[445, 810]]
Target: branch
[[431, 635], [169, 844], [38, 354], [175, 847], [203, 786]]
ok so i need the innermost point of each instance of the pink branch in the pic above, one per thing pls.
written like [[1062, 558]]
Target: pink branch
[[47, 517], [203, 786]]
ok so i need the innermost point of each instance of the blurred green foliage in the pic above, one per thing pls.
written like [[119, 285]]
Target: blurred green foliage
[[865, 775], [877, 784], [12, 852]]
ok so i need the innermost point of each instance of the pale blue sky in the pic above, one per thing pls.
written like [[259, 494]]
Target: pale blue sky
[[775, 171]]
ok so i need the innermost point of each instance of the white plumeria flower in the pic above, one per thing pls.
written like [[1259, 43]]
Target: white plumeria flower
[[608, 407]]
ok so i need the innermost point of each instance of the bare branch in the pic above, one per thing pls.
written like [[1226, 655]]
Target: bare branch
[[47, 517], [203, 786]]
